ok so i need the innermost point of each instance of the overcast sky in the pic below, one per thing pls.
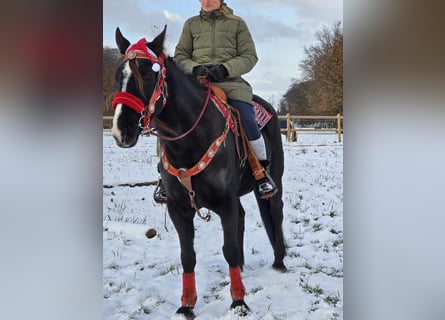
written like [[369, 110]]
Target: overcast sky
[[281, 30]]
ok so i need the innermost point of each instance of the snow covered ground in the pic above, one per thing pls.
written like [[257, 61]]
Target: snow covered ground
[[142, 277]]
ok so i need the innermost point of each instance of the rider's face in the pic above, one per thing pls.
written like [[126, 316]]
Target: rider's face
[[210, 5]]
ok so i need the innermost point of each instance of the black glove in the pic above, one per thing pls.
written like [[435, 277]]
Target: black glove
[[200, 71], [217, 73]]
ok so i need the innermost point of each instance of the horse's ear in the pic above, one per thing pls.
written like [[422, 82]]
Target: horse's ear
[[121, 42], [157, 45]]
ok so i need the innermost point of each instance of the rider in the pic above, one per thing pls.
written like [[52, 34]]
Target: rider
[[217, 45]]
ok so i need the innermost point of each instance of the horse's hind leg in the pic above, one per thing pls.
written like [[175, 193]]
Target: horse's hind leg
[[186, 232], [240, 236], [272, 215]]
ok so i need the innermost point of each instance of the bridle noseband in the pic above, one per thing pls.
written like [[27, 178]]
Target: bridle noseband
[[141, 51]]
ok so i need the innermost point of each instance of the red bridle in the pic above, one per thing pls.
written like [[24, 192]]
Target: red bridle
[[140, 51]]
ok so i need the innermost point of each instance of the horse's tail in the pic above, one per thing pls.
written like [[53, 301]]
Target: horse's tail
[[271, 209]]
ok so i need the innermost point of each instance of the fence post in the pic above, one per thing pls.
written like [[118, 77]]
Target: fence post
[[339, 126], [288, 133]]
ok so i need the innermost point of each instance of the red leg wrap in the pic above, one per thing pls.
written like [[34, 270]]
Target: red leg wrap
[[189, 297], [236, 284]]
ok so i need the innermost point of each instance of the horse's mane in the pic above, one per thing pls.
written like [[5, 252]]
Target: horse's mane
[[187, 80], [190, 77]]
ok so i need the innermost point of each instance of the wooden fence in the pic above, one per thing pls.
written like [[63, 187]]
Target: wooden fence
[[107, 122], [290, 128]]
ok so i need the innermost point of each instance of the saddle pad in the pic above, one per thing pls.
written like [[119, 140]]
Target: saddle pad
[[261, 114]]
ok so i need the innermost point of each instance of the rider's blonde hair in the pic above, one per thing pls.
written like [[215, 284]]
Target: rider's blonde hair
[[226, 12]]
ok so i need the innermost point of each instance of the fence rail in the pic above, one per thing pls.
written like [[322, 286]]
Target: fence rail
[[289, 129]]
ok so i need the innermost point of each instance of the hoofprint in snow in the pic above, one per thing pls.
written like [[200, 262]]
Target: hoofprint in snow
[[142, 277]]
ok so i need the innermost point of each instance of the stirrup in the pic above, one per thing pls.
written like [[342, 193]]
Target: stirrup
[[160, 194], [266, 187]]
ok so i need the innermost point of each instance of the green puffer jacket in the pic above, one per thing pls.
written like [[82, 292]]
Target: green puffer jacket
[[212, 38]]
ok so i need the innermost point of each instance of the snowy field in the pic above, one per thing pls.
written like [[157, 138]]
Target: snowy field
[[142, 277]]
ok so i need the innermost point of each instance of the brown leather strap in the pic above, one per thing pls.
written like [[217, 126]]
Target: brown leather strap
[[218, 92], [257, 168], [186, 181], [201, 164]]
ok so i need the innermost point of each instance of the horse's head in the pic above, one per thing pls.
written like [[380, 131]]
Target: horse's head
[[142, 87]]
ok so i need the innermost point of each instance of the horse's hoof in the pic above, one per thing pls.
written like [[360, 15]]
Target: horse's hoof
[[279, 266], [240, 308], [187, 312]]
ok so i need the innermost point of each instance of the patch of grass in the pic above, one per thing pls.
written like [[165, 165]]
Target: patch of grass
[[332, 300], [121, 218], [337, 242], [257, 289], [151, 304], [215, 293], [116, 253], [296, 221], [113, 265], [314, 306], [317, 291], [119, 207], [307, 266], [224, 283], [172, 267]]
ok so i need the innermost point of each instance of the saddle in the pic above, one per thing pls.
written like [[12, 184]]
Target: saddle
[[219, 93]]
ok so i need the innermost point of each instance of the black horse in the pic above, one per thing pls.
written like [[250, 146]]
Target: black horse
[[155, 93]]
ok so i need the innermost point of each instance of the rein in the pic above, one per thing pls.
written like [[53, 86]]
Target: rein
[[150, 131]]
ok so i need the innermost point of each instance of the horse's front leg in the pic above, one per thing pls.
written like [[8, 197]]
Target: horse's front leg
[[232, 254], [183, 222]]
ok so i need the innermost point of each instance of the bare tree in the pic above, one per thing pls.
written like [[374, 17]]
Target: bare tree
[[323, 71], [111, 60]]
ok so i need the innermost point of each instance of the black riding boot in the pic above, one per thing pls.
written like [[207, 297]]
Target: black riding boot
[[160, 194], [266, 186]]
